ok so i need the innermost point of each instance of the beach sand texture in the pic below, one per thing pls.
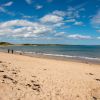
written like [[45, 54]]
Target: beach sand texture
[[30, 78]]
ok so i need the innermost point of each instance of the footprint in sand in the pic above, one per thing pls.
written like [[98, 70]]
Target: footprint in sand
[[44, 69], [1, 71], [34, 86], [9, 78], [94, 98], [97, 79], [4, 65], [1, 62], [96, 94], [91, 74]]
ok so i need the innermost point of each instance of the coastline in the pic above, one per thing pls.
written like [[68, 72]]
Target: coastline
[[62, 58], [82, 54], [57, 57]]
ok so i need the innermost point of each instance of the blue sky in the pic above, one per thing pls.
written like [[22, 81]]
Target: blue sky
[[50, 21]]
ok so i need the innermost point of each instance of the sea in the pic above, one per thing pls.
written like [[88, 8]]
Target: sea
[[81, 52]]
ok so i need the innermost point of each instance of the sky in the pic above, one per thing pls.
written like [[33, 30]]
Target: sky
[[50, 21]]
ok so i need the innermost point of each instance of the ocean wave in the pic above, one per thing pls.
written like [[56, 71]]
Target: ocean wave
[[61, 55], [69, 56]]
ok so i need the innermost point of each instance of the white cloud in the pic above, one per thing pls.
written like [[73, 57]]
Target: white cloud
[[45, 26], [70, 20], [25, 16], [98, 30], [50, 18], [29, 1], [4, 10], [95, 21], [58, 24], [78, 23], [8, 4], [72, 13], [78, 36], [55, 17], [15, 23], [98, 38], [59, 13], [23, 28], [60, 34], [27, 29], [38, 7]]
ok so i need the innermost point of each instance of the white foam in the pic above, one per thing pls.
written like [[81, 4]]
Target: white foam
[[59, 55], [68, 56]]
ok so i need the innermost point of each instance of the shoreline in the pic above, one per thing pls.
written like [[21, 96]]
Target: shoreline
[[77, 57], [52, 57]]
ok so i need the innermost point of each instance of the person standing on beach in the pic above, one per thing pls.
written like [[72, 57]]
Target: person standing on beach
[[12, 51], [8, 50]]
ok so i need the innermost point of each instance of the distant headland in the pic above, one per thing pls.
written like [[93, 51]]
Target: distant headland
[[28, 44]]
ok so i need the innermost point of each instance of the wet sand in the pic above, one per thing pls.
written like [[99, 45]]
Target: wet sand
[[31, 78]]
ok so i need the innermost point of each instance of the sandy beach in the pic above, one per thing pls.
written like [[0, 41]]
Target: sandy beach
[[31, 78]]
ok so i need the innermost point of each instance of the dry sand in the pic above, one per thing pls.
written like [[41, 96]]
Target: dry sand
[[29, 78]]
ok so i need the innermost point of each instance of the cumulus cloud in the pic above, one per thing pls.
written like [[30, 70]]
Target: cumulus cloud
[[23, 28], [45, 26], [78, 36], [16, 23], [51, 18], [54, 17], [28, 29]]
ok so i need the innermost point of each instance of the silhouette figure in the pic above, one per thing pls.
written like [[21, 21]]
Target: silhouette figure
[[8, 50], [12, 51]]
